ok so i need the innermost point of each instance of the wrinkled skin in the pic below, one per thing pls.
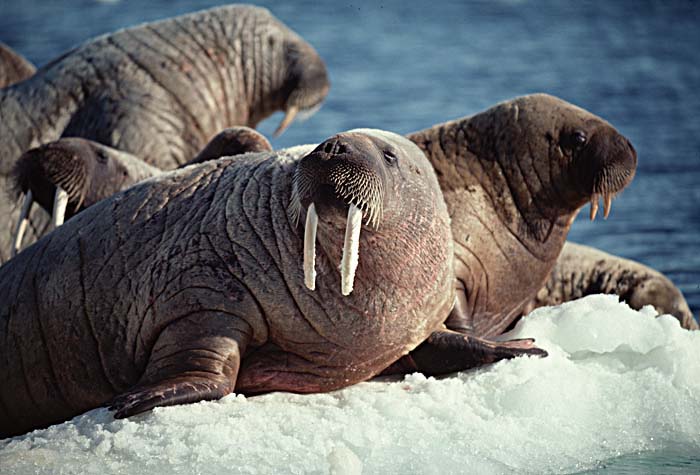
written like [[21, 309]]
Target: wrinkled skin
[[514, 177], [582, 270], [13, 67], [90, 172], [189, 286], [161, 90]]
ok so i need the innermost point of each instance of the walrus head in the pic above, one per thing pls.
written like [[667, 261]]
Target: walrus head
[[305, 83], [293, 76], [69, 175], [362, 176], [537, 155]]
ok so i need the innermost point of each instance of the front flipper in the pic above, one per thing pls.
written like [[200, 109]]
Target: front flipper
[[194, 359], [446, 351]]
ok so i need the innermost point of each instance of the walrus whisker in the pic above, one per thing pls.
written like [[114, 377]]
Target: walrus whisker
[[22, 222], [310, 247], [60, 201], [351, 249], [287, 120]]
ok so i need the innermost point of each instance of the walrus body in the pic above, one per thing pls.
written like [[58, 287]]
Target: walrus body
[[13, 67], [583, 270], [161, 90], [514, 177], [190, 285]]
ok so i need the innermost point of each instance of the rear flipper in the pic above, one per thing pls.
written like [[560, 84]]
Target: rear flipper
[[582, 270], [446, 351], [194, 359]]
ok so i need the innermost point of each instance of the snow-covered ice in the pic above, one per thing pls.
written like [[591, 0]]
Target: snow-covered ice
[[616, 381]]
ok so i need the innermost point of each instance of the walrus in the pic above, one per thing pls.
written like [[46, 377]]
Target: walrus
[[514, 177], [582, 270], [13, 67], [192, 284], [160, 90], [71, 174]]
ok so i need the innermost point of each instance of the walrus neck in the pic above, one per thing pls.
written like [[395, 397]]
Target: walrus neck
[[495, 182]]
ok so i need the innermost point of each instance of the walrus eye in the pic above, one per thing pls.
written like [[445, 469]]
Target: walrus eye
[[390, 157], [579, 138], [102, 156]]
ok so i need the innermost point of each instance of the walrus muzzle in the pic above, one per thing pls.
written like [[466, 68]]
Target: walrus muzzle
[[339, 174], [607, 165]]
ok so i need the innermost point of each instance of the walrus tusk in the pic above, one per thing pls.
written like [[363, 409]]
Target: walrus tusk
[[594, 205], [22, 222], [607, 205], [288, 118], [310, 247], [60, 200], [351, 249]]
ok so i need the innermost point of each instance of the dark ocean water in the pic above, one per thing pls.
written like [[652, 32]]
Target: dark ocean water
[[403, 66]]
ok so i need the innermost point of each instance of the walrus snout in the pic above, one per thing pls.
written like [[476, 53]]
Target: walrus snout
[[607, 164]]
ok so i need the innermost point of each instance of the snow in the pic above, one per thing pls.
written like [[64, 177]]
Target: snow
[[616, 381]]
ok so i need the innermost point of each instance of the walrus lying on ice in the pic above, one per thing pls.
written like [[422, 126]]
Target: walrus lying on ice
[[192, 285], [161, 90], [514, 178]]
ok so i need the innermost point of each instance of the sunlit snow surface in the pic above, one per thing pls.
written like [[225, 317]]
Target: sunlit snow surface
[[616, 382]]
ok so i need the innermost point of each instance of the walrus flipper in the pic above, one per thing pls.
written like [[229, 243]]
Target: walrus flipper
[[195, 359], [446, 351]]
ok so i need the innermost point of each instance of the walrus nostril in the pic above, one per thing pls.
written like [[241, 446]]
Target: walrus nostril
[[329, 147]]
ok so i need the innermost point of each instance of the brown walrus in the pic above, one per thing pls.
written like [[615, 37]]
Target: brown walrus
[[582, 270], [13, 67], [190, 285], [161, 90], [514, 178], [71, 174]]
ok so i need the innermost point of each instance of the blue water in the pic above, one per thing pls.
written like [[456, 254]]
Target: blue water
[[403, 66]]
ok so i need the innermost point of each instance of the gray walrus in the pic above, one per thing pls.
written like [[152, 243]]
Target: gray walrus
[[514, 178], [13, 67], [161, 90], [192, 285], [583, 270], [71, 174]]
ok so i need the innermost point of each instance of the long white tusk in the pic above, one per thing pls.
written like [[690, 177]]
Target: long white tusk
[[351, 248], [310, 247], [22, 222], [288, 118], [60, 201], [607, 205], [594, 206]]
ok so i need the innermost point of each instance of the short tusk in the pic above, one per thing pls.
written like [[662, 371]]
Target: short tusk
[[287, 120], [351, 248], [310, 247], [22, 222], [594, 206], [60, 201], [607, 205]]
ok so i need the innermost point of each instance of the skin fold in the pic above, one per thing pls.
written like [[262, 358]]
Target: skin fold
[[583, 270], [190, 285], [514, 177], [160, 90], [13, 67]]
